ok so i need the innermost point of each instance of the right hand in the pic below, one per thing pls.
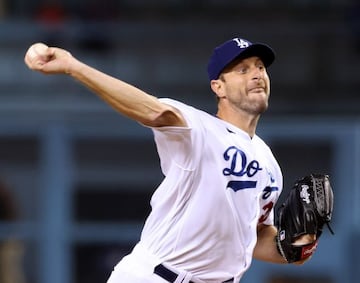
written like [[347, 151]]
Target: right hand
[[48, 60]]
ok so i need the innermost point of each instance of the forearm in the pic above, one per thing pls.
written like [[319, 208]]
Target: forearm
[[266, 249], [125, 98]]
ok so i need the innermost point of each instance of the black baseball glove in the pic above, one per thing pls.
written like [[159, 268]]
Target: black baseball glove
[[306, 210]]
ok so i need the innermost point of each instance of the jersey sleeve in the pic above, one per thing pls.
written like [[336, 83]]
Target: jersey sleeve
[[180, 146]]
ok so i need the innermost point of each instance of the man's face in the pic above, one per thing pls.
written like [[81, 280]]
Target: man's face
[[246, 85]]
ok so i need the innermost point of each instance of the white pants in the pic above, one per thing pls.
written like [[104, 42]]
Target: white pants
[[138, 267]]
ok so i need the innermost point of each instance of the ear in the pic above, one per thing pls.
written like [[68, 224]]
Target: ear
[[217, 87]]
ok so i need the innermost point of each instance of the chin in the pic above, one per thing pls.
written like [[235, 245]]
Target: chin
[[261, 107], [262, 110]]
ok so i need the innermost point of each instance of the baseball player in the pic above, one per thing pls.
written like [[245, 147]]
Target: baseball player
[[213, 212]]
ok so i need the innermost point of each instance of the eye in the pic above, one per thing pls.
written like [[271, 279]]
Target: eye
[[261, 66], [242, 70]]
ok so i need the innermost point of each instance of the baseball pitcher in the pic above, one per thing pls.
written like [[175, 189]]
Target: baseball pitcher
[[214, 211]]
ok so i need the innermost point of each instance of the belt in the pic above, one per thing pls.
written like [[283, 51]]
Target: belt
[[171, 276]]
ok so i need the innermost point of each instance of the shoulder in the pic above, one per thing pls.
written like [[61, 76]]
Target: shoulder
[[178, 104], [268, 154], [191, 113], [261, 143], [265, 150]]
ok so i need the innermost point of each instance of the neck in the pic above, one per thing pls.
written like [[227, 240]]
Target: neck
[[244, 121]]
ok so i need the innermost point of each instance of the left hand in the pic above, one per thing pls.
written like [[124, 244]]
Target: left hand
[[304, 240]]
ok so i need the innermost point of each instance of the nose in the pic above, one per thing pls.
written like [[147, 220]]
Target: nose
[[257, 74]]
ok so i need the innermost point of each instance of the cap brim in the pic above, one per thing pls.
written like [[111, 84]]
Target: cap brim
[[263, 51]]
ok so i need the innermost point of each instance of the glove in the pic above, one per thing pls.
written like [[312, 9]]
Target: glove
[[306, 210]]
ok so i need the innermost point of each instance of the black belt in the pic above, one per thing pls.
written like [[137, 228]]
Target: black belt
[[171, 276]]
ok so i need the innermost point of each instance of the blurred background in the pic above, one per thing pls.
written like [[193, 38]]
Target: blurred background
[[76, 178]]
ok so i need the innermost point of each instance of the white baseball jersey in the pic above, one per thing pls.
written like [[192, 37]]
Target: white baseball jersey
[[219, 185]]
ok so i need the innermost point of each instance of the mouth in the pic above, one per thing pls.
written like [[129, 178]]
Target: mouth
[[257, 89]]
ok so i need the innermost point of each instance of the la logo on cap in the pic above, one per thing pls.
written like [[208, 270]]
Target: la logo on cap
[[241, 43]]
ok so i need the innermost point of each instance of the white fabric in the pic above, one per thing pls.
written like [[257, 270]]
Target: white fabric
[[138, 267], [219, 182]]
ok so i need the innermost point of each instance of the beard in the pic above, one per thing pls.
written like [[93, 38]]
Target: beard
[[260, 106], [254, 104], [252, 100], [256, 108]]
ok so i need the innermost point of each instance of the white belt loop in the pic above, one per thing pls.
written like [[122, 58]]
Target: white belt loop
[[181, 277], [187, 278]]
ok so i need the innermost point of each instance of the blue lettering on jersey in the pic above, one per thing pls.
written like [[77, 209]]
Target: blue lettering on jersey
[[241, 185], [267, 192], [239, 166], [269, 189]]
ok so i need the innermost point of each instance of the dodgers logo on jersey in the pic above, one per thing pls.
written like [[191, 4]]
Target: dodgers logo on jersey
[[239, 166]]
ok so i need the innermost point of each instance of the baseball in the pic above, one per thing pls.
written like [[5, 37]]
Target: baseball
[[37, 49]]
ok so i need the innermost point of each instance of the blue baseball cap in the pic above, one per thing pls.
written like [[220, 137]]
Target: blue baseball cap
[[236, 48]]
